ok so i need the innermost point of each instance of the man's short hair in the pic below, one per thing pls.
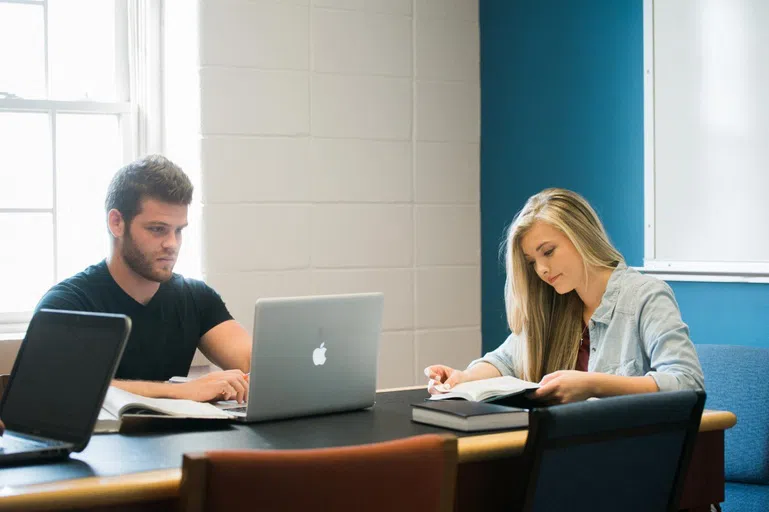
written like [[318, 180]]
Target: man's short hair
[[151, 177]]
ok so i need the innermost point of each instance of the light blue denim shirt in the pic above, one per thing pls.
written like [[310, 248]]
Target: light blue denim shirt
[[637, 330]]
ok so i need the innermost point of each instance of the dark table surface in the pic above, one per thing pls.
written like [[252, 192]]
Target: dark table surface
[[118, 454]]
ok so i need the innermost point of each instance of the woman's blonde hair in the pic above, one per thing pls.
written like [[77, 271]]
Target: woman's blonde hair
[[552, 323]]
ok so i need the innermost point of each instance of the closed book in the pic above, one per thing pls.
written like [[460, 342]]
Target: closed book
[[469, 416]]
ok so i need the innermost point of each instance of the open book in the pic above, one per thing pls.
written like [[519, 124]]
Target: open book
[[498, 389], [119, 405]]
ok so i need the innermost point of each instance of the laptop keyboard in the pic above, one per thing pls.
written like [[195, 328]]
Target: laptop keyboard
[[237, 409]]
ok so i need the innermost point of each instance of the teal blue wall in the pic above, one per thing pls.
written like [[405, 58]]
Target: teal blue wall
[[562, 105]]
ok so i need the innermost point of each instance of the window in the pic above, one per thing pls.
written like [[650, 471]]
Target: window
[[79, 97], [706, 127]]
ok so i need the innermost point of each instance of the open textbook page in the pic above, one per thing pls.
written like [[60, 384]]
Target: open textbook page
[[487, 390], [118, 402]]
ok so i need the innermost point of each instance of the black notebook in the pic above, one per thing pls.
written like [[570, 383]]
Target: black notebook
[[469, 416]]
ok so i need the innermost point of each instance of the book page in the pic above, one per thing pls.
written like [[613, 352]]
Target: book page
[[479, 390], [119, 401], [106, 422], [105, 415]]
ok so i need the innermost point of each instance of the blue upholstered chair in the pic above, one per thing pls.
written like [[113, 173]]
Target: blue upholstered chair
[[736, 380], [627, 453]]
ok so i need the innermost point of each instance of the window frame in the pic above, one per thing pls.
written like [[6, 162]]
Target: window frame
[[139, 86], [676, 270]]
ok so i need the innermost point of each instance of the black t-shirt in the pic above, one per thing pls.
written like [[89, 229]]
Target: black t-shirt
[[165, 332]]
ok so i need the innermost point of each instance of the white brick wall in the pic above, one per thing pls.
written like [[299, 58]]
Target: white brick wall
[[340, 153]]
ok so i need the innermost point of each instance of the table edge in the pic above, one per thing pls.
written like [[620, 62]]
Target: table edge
[[164, 484]]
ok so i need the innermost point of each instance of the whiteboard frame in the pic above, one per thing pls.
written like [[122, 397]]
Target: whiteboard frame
[[716, 271]]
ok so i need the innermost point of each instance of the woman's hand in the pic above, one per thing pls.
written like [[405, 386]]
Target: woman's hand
[[443, 378], [565, 386]]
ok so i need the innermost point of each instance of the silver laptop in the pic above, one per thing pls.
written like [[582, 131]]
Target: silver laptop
[[312, 355]]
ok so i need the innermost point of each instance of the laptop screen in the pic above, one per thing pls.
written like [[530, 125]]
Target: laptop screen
[[62, 372]]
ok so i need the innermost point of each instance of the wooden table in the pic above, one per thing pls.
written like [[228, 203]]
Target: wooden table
[[488, 463]]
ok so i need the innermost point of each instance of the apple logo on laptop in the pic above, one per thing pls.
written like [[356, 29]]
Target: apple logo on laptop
[[319, 355]]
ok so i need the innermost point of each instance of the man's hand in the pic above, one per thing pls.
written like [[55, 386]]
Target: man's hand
[[226, 385], [2, 427], [565, 386]]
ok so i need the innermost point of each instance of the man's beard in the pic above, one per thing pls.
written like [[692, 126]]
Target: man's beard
[[140, 263]]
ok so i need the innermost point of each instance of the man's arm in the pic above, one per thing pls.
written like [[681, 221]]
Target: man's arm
[[148, 388], [225, 385], [224, 342], [228, 346]]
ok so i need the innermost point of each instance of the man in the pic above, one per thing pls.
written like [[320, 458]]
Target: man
[[171, 316]]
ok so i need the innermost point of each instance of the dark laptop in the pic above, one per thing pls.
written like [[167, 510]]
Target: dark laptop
[[61, 374]]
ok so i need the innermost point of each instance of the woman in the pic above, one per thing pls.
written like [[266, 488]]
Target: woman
[[583, 323]]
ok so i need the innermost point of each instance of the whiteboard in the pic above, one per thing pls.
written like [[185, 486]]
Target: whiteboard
[[706, 110]]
